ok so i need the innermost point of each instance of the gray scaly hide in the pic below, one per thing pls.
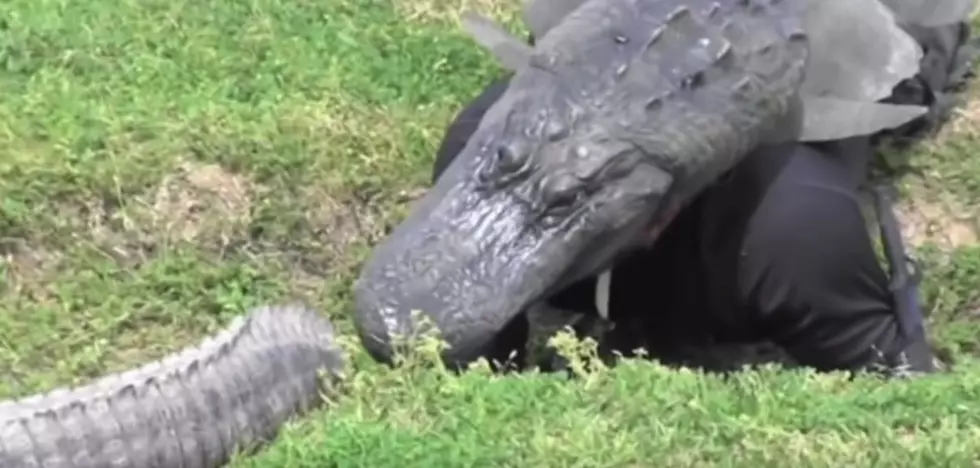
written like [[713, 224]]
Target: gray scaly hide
[[192, 409], [858, 54]]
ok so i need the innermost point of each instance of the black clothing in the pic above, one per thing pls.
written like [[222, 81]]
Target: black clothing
[[777, 250]]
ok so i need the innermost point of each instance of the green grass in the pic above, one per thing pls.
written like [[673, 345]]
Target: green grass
[[166, 165], [638, 415]]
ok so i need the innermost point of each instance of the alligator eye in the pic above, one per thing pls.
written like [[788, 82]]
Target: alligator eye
[[507, 159]]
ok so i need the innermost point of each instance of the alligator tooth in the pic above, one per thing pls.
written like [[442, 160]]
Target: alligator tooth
[[602, 293]]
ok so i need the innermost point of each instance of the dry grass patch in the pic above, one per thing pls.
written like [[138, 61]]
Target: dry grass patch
[[197, 203], [930, 212], [26, 269], [938, 218], [448, 11], [346, 221], [201, 199], [965, 122]]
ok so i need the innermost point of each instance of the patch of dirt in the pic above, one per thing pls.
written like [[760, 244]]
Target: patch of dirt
[[329, 239], [927, 220], [338, 224], [201, 203], [343, 222], [965, 121], [26, 268], [201, 199], [448, 11]]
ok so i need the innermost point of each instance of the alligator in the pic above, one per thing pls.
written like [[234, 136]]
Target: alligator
[[195, 408], [618, 114], [590, 153]]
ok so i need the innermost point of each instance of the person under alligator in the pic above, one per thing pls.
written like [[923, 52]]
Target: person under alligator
[[655, 146], [776, 250]]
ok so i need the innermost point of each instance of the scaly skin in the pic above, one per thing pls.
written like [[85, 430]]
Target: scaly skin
[[191, 409], [628, 109]]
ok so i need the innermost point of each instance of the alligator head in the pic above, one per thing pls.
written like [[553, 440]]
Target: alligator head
[[574, 165], [535, 201], [624, 111]]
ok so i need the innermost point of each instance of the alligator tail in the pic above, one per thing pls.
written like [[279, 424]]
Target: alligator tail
[[195, 408]]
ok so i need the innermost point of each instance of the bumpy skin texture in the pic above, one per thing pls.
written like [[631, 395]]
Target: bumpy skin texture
[[628, 109], [191, 409]]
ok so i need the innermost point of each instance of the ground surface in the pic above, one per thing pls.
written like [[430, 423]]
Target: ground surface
[[165, 165]]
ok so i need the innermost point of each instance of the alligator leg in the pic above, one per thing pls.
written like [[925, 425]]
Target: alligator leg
[[192, 409]]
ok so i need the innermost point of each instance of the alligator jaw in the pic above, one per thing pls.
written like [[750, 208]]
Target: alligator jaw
[[471, 260]]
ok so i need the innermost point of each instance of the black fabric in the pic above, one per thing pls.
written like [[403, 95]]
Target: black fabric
[[465, 124], [777, 250]]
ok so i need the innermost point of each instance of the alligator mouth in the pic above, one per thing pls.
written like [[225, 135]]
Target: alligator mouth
[[471, 260], [469, 268]]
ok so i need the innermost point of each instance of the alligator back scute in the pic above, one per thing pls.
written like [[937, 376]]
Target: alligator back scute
[[191, 409], [694, 85]]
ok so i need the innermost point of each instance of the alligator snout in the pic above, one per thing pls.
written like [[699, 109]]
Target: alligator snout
[[463, 260]]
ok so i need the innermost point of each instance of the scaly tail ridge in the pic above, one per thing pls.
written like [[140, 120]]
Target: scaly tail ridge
[[191, 409]]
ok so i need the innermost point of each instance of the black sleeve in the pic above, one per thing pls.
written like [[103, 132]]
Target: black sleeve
[[465, 124]]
